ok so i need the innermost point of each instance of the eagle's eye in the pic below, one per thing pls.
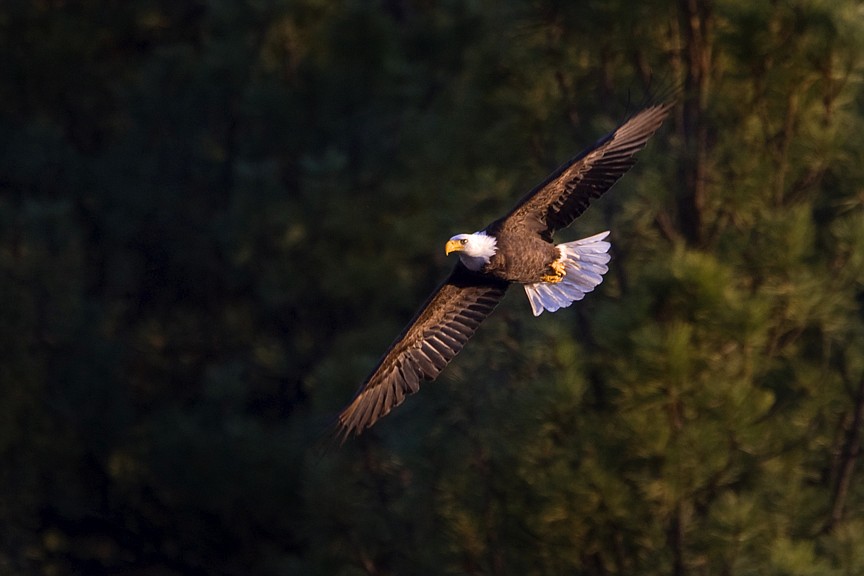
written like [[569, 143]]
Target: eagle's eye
[[464, 241]]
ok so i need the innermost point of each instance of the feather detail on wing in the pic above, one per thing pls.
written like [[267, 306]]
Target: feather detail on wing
[[430, 341], [566, 193]]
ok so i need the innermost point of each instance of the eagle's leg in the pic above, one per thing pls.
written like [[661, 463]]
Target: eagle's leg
[[558, 267]]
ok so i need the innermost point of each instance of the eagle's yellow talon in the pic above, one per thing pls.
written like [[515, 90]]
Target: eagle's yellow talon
[[558, 267]]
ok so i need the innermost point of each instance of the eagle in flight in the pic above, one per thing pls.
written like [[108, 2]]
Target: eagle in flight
[[516, 248]]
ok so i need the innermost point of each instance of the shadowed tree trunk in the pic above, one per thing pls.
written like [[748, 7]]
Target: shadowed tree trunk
[[697, 24]]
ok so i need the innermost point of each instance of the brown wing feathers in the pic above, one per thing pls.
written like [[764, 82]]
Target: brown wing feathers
[[429, 342], [565, 195]]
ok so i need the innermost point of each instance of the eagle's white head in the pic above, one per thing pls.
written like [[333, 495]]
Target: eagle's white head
[[475, 249]]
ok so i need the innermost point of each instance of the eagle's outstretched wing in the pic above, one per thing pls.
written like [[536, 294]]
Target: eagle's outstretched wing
[[566, 193], [430, 341]]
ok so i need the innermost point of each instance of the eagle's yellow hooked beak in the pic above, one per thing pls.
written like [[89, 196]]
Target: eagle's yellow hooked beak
[[453, 246]]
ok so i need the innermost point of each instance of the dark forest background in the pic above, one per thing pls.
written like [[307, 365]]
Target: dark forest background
[[215, 215]]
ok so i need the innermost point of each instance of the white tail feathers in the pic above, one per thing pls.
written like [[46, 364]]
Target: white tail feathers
[[584, 265]]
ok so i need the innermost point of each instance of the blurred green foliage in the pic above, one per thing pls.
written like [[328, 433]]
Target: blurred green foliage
[[215, 215]]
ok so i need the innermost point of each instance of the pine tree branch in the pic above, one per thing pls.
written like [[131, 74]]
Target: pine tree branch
[[848, 457]]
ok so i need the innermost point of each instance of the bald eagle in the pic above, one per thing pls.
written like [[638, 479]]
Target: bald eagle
[[516, 248]]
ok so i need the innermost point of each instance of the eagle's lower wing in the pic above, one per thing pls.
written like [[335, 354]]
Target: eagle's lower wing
[[566, 193], [430, 341]]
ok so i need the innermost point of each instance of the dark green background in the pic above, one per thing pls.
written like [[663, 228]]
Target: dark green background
[[215, 215]]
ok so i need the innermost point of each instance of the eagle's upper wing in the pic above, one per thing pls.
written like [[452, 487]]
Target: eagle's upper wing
[[430, 341], [566, 193]]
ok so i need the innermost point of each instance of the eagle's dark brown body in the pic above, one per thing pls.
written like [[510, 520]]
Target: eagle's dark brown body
[[523, 254]]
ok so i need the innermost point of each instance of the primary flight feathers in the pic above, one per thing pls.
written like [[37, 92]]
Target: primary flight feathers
[[516, 248]]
